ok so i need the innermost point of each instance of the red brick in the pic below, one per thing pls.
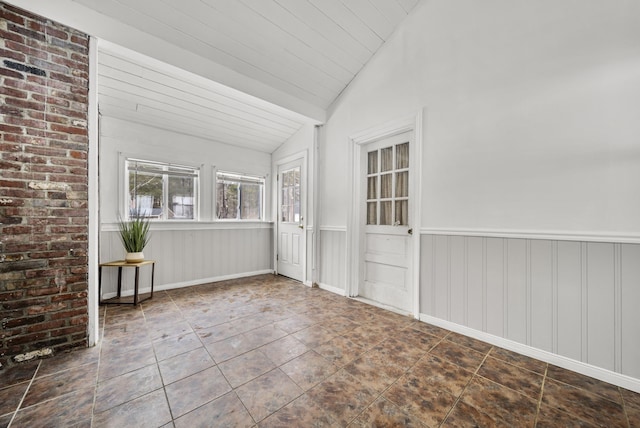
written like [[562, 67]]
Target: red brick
[[24, 13], [21, 84], [60, 34], [49, 325], [13, 17], [67, 314], [17, 56], [68, 129], [11, 73]]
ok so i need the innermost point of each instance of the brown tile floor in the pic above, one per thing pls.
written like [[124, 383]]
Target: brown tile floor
[[268, 352]]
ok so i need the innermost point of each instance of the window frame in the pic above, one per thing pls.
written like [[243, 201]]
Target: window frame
[[240, 178], [191, 170]]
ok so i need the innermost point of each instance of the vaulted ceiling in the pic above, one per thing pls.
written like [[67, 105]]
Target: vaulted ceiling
[[228, 58]]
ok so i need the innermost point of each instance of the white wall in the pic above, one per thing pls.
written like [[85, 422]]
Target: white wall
[[144, 142], [530, 129], [531, 114], [186, 252]]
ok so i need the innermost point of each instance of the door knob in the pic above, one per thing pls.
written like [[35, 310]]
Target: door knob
[[410, 231]]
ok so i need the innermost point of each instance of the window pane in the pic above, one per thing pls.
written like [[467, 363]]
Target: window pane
[[250, 202], [402, 213], [402, 156], [386, 214], [386, 186], [162, 190], [181, 197], [290, 196], [372, 166], [402, 184], [372, 215], [227, 200], [372, 191], [239, 197], [386, 159], [145, 195]]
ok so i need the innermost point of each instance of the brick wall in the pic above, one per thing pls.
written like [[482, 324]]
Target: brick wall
[[44, 75]]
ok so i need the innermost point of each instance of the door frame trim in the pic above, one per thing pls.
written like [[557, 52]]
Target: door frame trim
[[303, 155], [354, 236]]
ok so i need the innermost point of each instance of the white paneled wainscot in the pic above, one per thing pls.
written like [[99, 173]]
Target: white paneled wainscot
[[577, 301], [332, 260], [192, 254]]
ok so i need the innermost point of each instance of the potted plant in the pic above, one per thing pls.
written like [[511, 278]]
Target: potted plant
[[135, 236]]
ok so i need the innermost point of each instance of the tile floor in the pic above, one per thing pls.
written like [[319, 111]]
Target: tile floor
[[268, 352]]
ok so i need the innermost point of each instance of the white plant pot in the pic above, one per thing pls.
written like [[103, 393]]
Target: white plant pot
[[134, 257]]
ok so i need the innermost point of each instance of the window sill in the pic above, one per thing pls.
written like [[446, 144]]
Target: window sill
[[197, 225]]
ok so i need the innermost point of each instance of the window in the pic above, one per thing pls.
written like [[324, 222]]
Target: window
[[388, 186], [290, 202], [239, 197], [161, 190]]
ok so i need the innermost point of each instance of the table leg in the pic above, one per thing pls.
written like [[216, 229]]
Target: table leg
[[119, 281], [99, 284], [153, 269], [135, 292]]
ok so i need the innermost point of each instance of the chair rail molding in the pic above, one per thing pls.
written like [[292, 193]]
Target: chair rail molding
[[554, 235]]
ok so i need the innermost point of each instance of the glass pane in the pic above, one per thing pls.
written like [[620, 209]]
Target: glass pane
[[145, 195], [250, 201], [227, 200], [402, 213], [372, 167], [402, 156], [386, 159], [402, 184], [372, 191], [372, 215], [386, 187], [181, 197], [386, 213], [290, 208]]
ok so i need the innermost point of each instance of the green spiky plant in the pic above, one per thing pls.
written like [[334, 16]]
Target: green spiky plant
[[134, 233]]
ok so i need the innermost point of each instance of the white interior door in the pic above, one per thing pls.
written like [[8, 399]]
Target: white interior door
[[291, 234], [386, 259]]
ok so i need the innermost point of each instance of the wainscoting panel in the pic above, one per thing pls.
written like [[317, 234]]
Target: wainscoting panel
[[188, 256], [332, 258], [629, 338], [579, 300]]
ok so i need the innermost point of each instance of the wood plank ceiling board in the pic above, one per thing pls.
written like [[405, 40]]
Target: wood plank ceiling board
[[298, 54], [140, 89]]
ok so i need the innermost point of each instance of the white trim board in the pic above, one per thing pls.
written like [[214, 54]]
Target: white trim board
[[412, 123], [608, 376], [196, 225], [611, 237], [147, 289], [333, 228], [331, 288]]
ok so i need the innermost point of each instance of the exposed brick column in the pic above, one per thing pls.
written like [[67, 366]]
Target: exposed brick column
[[44, 73]]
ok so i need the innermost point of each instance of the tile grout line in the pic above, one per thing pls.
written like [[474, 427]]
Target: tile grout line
[[95, 390], [544, 380], [33, 378], [475, 373], [164, 388], [377, 397]]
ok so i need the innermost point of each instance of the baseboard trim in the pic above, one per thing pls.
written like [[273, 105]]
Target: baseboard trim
[[609, 376], [172, 286], [383, 306], [332, 289]]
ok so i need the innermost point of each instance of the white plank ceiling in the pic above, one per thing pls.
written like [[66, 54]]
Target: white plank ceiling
[[137, 88], [299, 54]]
